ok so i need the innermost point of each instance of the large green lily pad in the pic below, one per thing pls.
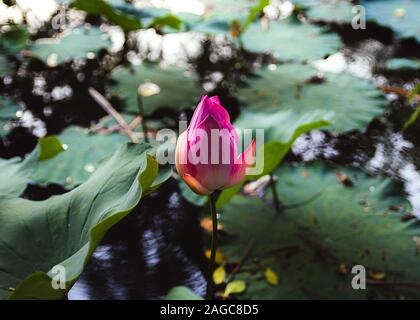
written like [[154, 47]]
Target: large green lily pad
[[327, 10], [290, 39], [15, 173], [399, 15], [78, 43], [177, 89], [82, 155], [14, 176], [64, 230], [355, 102], [313, 245]]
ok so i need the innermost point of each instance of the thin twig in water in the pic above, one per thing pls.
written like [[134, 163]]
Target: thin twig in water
[[136, 121], [106, 105], [241, 260], [397, 90], [400, 91], [299, 204]]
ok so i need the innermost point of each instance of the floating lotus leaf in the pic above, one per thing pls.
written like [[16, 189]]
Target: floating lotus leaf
[[399, 15], [172, 87], [317, 239], [106, 8], [78, 43], [354, 102], [211, 26], [219, 15], [328, 10], [290, 39], [15, 173], [81, 158]]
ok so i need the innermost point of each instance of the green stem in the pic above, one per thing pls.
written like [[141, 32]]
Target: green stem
[[277, 204], [143, 120], [210, 294]]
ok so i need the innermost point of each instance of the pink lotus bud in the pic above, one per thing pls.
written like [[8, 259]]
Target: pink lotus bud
[[207, 156]]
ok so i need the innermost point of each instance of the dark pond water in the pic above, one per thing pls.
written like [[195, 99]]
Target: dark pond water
[[160, 244]]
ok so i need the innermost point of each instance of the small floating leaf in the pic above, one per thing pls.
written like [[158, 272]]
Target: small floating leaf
[[377, 275], [342, 268], [233, 287], [50, 146], [219, 275], [220, 258], [271, 277]]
